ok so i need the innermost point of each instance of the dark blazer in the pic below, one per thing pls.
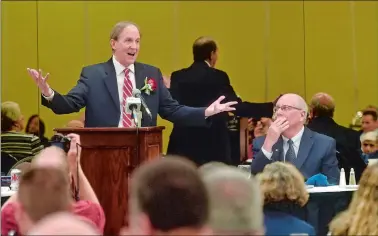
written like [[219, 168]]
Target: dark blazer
[[97, 91], [198, 86], [281, 223], [348, 144], [317, 154]]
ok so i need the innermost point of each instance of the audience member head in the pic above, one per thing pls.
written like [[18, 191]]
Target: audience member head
[[235, 201], [211, 166], [371, 108], [63, 223], [52, 157], [35, 126], [369, 121], [361, 216], [322, 105], [369, 142], [125, 42], [11, 117], [75, 124], [282, 182], [294, 109], [205, 49], [262, 127], [168, 196], [42, 191]]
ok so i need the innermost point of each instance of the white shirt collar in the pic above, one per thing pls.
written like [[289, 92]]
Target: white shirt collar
[[296, 138], [119, 68], [208, 63]]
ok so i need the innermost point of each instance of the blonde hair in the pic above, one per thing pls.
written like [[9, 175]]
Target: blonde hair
[[10, 113], [282, 181], [361, 216]]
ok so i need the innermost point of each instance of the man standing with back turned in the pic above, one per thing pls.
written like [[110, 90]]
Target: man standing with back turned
[[103, 89], [197, 86]]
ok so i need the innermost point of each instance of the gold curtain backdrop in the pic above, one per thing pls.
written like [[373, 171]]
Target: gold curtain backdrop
[[267, 48]]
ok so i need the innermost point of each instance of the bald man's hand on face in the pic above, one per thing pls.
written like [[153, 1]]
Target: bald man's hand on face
[[275, 130]]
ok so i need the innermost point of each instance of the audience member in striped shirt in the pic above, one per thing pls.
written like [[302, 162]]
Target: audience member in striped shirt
[[13, 141]]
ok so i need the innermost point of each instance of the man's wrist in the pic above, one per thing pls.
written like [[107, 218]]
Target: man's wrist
[[49, 93]]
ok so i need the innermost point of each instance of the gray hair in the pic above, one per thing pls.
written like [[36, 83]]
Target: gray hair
[[119, 27], [235, 201]]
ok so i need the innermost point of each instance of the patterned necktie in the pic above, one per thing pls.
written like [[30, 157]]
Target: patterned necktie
[[290, 154], [127, 92]]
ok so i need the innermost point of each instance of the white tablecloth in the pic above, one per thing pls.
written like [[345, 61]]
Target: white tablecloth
[[332, 189], [6, 192]]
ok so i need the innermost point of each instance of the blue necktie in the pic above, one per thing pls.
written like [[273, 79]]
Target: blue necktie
[[290, 154]]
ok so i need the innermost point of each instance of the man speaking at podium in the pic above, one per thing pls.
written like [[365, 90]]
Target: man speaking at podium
[[105, 87]]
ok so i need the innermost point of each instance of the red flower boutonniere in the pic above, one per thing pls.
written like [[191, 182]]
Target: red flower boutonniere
[[149, 85]]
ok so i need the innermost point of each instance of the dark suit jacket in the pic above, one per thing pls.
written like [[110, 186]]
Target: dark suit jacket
[[97, 91], [280, 223], [198, 86], [317, 154], [348, 144]]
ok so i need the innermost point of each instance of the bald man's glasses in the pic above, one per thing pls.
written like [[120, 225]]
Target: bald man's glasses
[[286, 108]]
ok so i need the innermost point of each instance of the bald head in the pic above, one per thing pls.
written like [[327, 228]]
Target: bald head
[[295, 100], [51, 157], [63, 224], [75, 124], [322, 104]]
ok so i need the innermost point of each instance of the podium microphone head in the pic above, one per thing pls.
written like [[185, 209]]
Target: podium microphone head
[[136, 93]]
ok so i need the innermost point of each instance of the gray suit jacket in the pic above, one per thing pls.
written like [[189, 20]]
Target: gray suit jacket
[[316, 154]]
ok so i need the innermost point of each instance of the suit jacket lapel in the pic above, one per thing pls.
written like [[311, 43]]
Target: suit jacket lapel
[[139, 75], [110, 81], [278, 150], [304, 148]]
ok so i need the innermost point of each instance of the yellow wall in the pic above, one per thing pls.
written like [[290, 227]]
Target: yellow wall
[[267, 48]]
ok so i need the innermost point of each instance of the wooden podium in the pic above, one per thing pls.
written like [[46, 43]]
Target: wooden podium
[[108, 157]]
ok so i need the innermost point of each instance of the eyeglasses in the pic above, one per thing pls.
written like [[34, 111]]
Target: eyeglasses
[[286, 108]]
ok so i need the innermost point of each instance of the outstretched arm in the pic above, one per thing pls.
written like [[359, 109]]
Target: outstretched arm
[[61, 104]]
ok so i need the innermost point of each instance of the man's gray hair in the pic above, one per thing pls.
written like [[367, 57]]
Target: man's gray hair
[[236, 204]]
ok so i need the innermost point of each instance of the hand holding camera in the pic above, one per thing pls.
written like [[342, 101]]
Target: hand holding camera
[[73, 154]]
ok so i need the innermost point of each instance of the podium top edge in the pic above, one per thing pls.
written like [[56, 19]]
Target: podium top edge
[[109, 129]]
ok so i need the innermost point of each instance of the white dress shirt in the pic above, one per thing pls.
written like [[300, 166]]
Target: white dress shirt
[[119, 69], [296, 143]]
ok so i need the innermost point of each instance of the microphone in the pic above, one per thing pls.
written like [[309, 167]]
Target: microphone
[[137, 94], [133, 107]]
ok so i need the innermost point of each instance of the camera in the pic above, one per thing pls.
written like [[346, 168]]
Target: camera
[[61, 141]]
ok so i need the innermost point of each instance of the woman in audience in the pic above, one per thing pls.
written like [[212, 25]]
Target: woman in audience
[[361, 216], [284, 196], [36, 126]]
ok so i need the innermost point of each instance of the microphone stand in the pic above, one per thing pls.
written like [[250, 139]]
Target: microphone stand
[[135, 118]]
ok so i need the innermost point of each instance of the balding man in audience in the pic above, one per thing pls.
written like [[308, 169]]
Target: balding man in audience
[[42, 191], [53, 157], [322, 109], [167, 197], [288, 140], [63, 223], [236, 204]]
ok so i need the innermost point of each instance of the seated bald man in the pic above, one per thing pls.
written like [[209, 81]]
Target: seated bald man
[[288, 140]]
